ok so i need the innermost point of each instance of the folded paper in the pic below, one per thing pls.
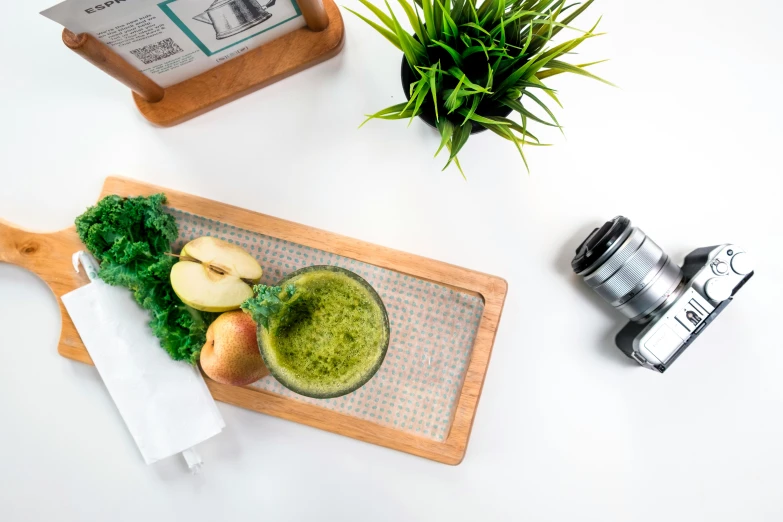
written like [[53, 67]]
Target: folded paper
[[165, 404]]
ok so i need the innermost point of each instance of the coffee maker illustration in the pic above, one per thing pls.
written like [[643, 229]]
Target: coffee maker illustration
[[230, 17]]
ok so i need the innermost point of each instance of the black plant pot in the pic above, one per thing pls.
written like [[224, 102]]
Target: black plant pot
[[428, 113]]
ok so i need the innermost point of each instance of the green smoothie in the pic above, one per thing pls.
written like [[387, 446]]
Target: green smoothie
[[330, 337]]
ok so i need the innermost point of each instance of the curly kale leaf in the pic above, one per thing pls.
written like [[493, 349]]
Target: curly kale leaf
[[268, 302], [130, 238]]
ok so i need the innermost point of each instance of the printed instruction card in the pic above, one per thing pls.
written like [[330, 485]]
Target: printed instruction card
[[173, 40]]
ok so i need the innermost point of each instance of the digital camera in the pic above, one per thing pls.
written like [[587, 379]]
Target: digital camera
[[668, 306]]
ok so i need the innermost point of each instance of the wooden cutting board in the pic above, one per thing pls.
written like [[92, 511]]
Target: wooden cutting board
[[49, 256]]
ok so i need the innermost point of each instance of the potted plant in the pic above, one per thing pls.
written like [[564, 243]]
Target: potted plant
[[466, 67]]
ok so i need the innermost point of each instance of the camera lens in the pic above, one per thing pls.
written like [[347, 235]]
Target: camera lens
[[628, 269]]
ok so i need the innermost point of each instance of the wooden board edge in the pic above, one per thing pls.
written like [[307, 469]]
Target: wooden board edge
[[269, 403], [476, 373], [75, 353], [410, 264], [261, 401]]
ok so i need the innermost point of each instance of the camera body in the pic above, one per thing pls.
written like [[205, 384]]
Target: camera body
[[712, 276], [669, 306]]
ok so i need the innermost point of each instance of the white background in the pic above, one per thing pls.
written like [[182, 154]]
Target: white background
[[567, 429]]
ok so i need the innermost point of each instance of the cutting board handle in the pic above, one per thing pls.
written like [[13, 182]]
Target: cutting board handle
[[20, 247], [48, 255]]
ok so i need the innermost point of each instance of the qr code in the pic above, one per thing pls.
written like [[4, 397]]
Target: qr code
[[157, 51]]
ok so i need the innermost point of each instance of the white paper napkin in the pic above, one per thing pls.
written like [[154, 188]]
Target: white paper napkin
[[165, 403]]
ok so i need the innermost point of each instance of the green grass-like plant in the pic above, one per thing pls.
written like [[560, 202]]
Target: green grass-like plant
[[478, 63]]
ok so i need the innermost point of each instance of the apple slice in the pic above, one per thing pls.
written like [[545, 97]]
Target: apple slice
[[214, 276], [224, 255]]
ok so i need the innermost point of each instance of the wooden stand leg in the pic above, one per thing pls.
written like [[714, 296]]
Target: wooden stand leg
[[314, 14], [104, 58]]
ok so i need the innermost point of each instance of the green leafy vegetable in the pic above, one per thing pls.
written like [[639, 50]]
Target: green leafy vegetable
[[267, 302], [473, 61], [130, 237]]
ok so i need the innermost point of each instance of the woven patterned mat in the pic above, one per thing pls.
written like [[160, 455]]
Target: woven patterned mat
[[432, 333]]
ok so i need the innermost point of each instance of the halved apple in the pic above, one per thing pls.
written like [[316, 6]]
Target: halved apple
[[214, 275]]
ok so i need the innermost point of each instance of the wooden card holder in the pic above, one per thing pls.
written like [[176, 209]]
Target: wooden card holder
[[320, 40]]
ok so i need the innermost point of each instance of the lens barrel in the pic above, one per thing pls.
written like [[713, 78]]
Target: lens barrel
[[628, 270]]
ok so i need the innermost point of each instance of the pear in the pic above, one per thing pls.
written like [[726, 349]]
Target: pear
[[214, 275], [231, 354]]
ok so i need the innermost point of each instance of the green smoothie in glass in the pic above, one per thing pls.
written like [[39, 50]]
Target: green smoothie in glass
[[329, 334]]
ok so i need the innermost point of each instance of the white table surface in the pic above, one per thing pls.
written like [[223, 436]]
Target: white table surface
[[567, 429]]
